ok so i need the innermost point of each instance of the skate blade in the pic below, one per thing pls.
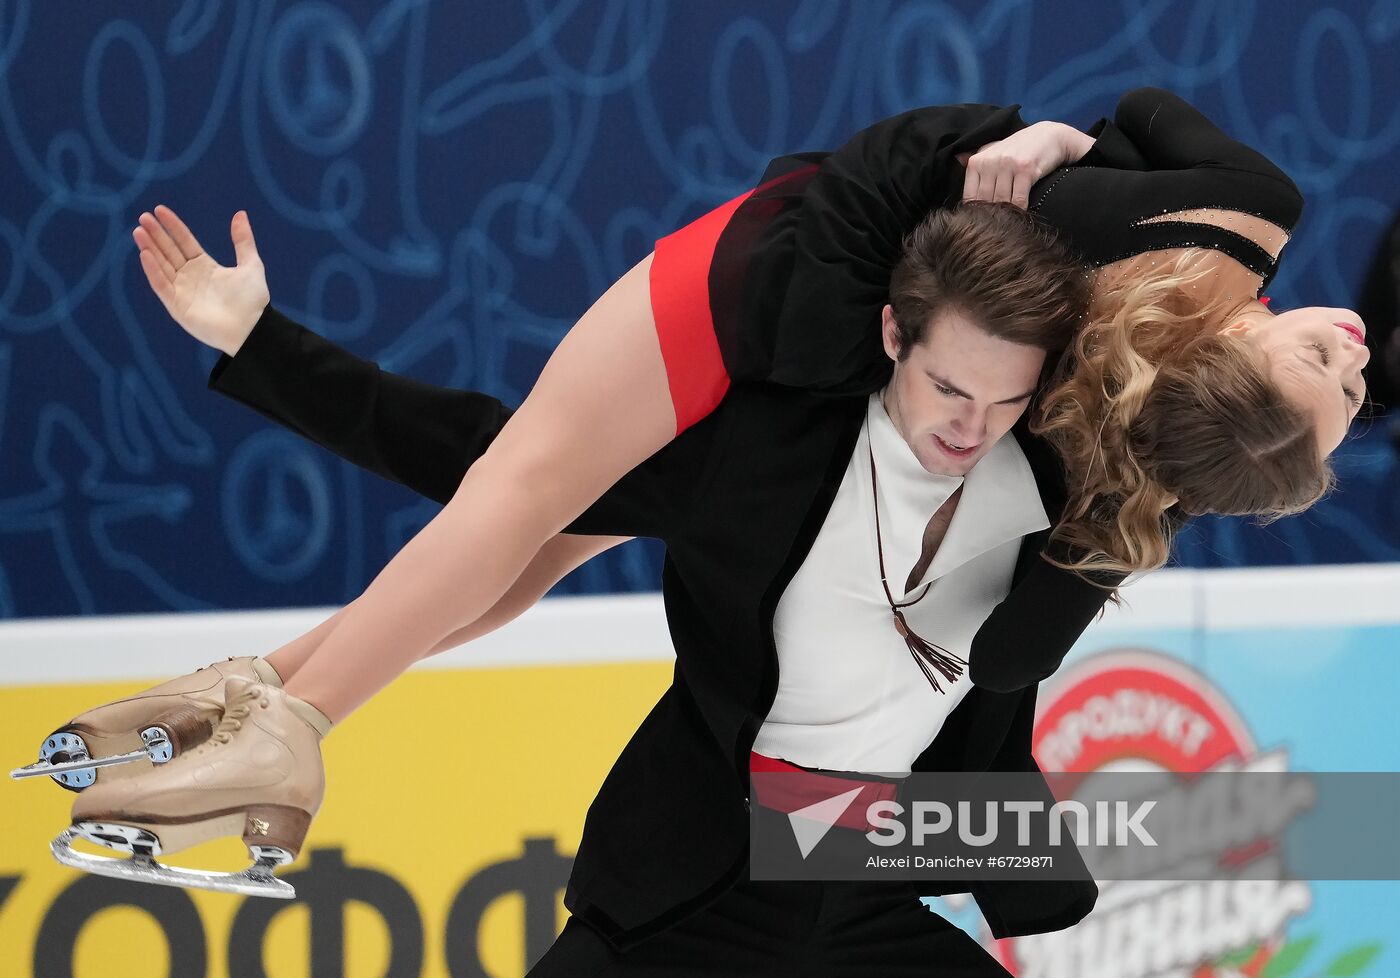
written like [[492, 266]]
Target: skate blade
[[141, 867], [46, 768]]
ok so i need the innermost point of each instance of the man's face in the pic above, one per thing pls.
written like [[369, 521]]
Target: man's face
[[958, 391]]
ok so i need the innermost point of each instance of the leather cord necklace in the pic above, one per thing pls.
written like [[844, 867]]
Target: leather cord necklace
[[930, 657]]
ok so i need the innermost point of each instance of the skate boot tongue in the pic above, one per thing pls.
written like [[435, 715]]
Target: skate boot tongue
[[266, 673]]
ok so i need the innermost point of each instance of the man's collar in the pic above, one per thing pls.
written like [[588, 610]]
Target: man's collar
[[1000, 502]]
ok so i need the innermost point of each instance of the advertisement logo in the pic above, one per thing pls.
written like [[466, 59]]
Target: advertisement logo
[[1140, 710]]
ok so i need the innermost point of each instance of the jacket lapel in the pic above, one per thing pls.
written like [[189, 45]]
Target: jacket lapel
[[1000, 502]]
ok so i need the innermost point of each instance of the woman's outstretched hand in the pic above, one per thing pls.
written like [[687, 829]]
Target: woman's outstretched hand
[[1006, 169], [216, 305]]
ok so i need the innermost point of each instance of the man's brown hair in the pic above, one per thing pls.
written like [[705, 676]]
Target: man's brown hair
[[996, 265]]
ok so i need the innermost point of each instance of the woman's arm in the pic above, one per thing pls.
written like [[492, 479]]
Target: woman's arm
[[1006, 169], [1172, 134], [1162, 173]]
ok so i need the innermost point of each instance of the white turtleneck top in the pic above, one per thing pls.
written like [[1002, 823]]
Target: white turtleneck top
[[850, 695]]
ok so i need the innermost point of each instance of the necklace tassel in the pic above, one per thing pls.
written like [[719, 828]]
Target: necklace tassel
[[927, 654]]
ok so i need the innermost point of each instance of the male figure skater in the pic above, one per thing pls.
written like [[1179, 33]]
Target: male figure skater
[[788, 646]]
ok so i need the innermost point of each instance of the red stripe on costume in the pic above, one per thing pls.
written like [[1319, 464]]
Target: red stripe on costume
[[680, 304], [806, 788], [765, 764]]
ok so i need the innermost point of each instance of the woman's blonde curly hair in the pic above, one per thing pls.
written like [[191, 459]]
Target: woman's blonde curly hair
[[1152, 406]]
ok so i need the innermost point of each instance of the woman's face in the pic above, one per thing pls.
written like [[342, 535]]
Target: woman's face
[[1315, 355]]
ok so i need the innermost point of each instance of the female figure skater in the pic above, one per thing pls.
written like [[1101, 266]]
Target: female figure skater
[[1154, 363]]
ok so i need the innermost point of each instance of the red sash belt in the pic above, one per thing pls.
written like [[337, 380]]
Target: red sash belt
[[806, 787]]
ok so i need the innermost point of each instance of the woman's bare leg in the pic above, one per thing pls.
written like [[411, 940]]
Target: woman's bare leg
[[288, 659], [556, 558], [601, 406], [559, 556]]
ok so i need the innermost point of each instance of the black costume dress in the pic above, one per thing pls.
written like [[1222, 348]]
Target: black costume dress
[[785, 283]]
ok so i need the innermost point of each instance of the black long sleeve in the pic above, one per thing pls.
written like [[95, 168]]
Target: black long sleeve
[[1172, 134], [1028, 634], [418, 435], [1161, 155], [425, 437]]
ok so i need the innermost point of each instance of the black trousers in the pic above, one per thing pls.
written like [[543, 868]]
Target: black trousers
[[786, 929]]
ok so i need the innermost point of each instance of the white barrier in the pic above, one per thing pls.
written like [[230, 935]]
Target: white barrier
[[626, 628]]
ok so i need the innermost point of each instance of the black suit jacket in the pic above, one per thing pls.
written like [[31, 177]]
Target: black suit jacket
[[738, 499]]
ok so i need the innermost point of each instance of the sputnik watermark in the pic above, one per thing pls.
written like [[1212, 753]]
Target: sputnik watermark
[[1111, 822], [1162, 825]]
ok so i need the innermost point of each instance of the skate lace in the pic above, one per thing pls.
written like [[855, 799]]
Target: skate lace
[[234, 715]]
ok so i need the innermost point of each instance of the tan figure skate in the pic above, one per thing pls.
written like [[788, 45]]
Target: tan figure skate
[[259, 774], [154, 725]]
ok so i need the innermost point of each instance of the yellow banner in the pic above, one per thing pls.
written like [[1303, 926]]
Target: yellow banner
[[454, 804]]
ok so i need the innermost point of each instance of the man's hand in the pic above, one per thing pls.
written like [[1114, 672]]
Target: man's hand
[[216, 305], [1006, 169]]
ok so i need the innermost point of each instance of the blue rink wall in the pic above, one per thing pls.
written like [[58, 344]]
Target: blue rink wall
[[445, 186], [1297, 663]]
